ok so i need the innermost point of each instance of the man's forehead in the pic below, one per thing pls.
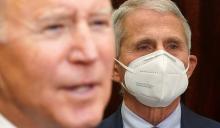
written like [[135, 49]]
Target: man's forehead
[[91, 5]]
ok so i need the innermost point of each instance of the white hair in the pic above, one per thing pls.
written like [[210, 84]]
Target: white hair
[[155, 5]]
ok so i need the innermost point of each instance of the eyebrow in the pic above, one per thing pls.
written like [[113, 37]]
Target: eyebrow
[[105, 11], [146, 40], [175, 38], [56, 14]]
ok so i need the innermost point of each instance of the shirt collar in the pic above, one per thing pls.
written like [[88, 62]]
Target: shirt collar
[[131, 120], [5, 122]]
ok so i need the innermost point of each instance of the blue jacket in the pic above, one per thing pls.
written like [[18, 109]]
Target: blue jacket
[[189, 119]]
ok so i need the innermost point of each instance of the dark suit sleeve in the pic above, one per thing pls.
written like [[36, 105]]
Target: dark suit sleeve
[[113, 121], [190, 119]]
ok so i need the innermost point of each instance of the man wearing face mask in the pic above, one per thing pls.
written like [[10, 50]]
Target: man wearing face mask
[[153, 65]]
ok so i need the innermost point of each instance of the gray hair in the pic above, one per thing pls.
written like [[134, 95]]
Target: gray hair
[[155, 5]]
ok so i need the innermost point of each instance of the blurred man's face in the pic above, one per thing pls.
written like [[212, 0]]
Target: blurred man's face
[[56, 64]]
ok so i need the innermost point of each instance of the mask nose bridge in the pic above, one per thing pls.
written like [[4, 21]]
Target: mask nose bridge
[[149, 58], [159, 53]]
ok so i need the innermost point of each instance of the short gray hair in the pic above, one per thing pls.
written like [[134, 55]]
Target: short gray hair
[[155, 5]]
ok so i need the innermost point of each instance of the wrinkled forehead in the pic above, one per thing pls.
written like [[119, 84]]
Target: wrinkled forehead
[[28, 7]]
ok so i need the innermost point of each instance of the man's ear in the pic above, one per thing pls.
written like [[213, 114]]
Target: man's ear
[[116, 73], [192, 65]]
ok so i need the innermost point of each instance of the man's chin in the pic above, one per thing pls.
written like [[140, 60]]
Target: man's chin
[[86, 123], [86, 119], [92, 121]]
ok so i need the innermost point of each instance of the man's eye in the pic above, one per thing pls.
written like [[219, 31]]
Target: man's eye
[[173, 46], [54, 30], [54, 27], [100, 23], [144, 47]]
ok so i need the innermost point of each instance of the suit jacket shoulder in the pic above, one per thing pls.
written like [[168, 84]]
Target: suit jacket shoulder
[[190, 119], [113, 121]]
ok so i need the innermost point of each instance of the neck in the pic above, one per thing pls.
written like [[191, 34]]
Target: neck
[[16, 116], [149, 114]]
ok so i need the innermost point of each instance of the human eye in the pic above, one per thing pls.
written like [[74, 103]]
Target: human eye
[[54, 30], [100, 23], [54, 27], [174, 44], [144, 45]]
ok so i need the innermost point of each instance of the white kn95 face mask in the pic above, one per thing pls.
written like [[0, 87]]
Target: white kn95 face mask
[[156, 79]]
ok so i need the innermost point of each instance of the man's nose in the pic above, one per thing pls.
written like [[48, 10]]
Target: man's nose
[[160, 46], [85, 50]]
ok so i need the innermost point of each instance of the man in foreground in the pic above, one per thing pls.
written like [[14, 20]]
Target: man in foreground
[[55, 62], [153, 41]]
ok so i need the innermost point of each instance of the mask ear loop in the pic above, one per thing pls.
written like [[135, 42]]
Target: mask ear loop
[[124, 66], [187, 68], [128, 69], [128, 90]]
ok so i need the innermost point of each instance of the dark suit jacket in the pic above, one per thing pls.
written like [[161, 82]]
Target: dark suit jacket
[[189, 119]]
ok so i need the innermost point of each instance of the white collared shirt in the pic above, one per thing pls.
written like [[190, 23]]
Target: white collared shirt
[[131, 120], [5, 123]]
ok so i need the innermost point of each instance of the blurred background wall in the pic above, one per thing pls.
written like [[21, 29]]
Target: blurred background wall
[[203, 94]]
